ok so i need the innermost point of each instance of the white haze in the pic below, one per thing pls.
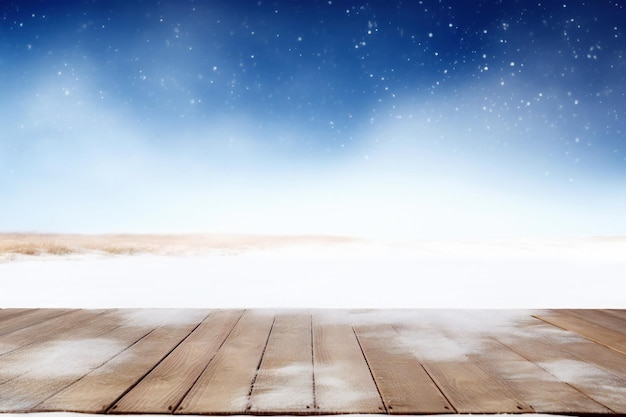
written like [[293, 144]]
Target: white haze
[[96, 170]]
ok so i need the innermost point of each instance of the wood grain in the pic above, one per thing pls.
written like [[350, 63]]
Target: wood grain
[[579, 347], [225, 385], [50, 328], [162, 389], [343, 381], [453, 357], [616, 313], [99, 389], [598, 355], [7, 313], [470, 389], [29, 318], [312, 362], [532, 384], [546, 351], [597, 333], [38, 371], [284, 382], [599, 318], [403, 383], [21, 361]]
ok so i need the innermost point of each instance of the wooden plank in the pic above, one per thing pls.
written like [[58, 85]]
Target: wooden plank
[[599, 334], [533, 385], [343, 381], [580, 347], [403, 383], [24, 360], [99, 390], [301, 364], [28, 319], [543, 346], [470, 389], [284, 382], [7, 313], [598, 355], [600, 318], [225, 385], [34, 373], [451, 356], [162, 390], [51, 328], [616, 313]]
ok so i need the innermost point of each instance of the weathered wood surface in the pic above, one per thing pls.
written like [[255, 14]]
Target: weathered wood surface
[[284, 381], [343, 380], [404, 385], [224, 387], [533, 385], [449, 357], [599, 331], [13, 312], [162, 390], [313, 362], [600, 318], [97, 390], [37, 371], [52, 327], [24, 319], [554, 353]]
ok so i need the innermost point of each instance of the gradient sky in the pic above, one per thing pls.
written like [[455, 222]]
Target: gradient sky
[[430, 118]]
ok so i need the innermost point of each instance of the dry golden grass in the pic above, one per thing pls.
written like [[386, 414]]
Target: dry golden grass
[[34, 244]]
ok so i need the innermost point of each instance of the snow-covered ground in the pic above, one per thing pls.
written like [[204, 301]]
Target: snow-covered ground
[[497, 273]]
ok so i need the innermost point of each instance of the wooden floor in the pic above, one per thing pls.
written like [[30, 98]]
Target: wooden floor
[[313, 361]]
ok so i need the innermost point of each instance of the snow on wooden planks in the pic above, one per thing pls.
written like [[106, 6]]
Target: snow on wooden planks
[[465, 385], [343, 380], [284, 381], [593, 328], [532, 384], [98, 389], [224, 387], [37, 371], [584, 356], [404, 385], [50, 328], [162, 390], [246, 371], [312, 362], [28, 318]]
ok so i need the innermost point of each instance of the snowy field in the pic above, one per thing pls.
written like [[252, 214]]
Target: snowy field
[[316, 272]]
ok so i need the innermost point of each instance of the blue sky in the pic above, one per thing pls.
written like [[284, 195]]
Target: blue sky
[[380, 118]]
